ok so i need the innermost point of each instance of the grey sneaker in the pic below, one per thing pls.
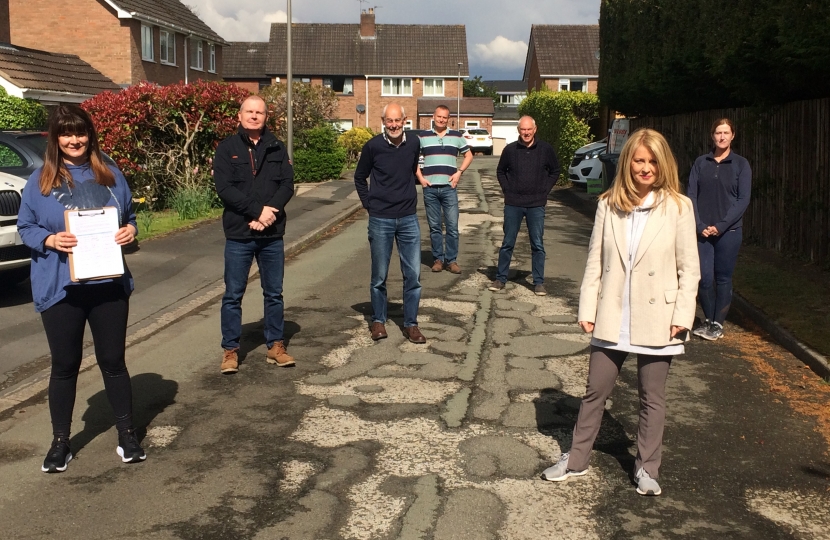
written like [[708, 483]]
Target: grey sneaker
[[714, 332], [560, 472], [647, 485], [700, 330], [496, 285], [540, 290]]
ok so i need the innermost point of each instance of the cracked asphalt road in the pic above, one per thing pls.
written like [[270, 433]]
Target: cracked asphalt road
[[386, 440]]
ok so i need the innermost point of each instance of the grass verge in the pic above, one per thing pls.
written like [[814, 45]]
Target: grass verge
[[167, 221], [793, 293]]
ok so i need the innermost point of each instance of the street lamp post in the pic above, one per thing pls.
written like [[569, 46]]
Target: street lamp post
[[458, 103], [289, 110]]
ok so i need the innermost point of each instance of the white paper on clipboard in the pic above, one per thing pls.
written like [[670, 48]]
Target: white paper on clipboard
[[97, 255]]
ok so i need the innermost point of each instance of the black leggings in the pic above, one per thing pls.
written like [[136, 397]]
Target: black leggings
[[105, 306]]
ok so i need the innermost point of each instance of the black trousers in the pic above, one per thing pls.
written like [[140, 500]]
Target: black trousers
[[106, 307]]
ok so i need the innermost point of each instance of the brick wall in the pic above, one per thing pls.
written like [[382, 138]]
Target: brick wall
[[484, 122], [89, 29], [162, 73], [4, 21]]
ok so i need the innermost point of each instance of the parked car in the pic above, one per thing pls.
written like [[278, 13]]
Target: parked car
[[21, 152], [15, 257], [479, 140], [586, 163]]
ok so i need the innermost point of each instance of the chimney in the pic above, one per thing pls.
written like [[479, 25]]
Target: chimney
[[367, 24]]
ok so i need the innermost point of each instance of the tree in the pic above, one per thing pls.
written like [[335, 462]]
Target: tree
[[313, 106], [475, 87]]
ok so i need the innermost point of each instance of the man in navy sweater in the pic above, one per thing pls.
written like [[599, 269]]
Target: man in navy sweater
[[391, 159], [527, 171]]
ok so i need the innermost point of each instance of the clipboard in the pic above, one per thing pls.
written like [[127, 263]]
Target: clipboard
[[97, 255]]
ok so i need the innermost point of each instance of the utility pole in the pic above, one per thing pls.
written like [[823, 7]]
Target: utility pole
[[289, 110], [458, 103]]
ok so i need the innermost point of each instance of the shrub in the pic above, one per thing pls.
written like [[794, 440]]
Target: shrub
[[562, 120], [163, 137], [353, 141], [191, 202], [317, 156], [313, 106], [17, 113]]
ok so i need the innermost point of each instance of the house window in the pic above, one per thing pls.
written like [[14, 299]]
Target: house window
[[397, 87], [471, 124], [197, 55], [343, 125], [573, 85], [147, 43], [167, 47], [341, 85], [212, 58], [433, 87], [304, 80]]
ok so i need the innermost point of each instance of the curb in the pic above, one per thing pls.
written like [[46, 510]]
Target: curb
[[39, 382], [815, 360]]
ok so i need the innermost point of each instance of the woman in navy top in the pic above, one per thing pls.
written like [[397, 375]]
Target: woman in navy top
[[719, 186], [74, 176]]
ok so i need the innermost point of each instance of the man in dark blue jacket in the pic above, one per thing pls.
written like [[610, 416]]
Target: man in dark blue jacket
[[391, 159], [255, 180], [527, 171]]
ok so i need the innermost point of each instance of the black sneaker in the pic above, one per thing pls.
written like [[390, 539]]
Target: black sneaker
[[58, 457], [128, 448]]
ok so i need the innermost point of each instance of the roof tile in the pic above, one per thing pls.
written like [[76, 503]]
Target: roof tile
[[566, 49], [54, 72], [171, 12]]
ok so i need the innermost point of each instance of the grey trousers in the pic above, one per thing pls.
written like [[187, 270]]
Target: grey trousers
[[604, 367]]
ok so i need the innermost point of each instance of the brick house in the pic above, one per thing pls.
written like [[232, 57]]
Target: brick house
[[368, 65], [562, 57], [243, 63], [129, 41], [51, 78], [475, 112]]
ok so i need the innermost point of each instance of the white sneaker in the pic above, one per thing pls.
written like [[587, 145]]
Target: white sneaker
[[647, 485], [560, 471], [700, 330], [714, 332]]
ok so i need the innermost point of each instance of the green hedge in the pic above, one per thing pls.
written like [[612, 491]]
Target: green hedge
[[662, 57], [562, 120], [17, 113], [317, 155]]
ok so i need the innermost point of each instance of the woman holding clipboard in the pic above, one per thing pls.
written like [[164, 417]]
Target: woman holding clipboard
[[74, 176]]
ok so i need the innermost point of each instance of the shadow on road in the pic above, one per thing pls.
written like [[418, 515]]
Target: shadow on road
[[253, 336], [152, 393], [15, 294]]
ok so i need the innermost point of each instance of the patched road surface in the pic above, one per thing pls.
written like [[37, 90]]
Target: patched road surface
[[447, 440]]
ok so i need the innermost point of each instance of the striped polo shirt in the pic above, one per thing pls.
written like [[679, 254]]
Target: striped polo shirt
[[440, 155]]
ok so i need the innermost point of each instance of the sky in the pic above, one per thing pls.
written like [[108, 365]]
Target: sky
[[497, 30]]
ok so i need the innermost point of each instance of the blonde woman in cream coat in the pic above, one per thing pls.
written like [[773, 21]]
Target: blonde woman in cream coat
[[637, 296]]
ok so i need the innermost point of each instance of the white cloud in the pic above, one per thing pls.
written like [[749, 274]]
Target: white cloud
[[236, 24], [501, 53]]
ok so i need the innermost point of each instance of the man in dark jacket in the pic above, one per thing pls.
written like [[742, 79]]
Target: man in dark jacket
[[391, 159], [255, 180], [527, 171]]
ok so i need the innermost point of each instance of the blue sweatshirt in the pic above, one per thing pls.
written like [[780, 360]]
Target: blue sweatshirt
[[720, 191], [392, 168], [42, 215]]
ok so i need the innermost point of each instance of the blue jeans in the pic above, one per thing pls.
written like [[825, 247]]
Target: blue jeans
[[270, 257], [535, 218], [718, 255], [437, 199], [407, 233]]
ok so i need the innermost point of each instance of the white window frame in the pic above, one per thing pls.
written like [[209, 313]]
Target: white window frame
[[402, 83], [212, 58], [197, 58], [434, 83], [565, 84], [472, 124], [147, 43], [167, 39]]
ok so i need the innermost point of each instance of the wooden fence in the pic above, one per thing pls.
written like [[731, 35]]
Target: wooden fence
[[788, 148]]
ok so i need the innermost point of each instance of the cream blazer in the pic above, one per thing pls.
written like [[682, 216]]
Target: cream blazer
[[664, 278]]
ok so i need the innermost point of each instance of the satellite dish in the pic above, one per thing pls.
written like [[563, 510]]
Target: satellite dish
[[361, 108]]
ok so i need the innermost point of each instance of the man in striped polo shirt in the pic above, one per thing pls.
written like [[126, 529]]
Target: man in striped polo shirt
[[439, 178]]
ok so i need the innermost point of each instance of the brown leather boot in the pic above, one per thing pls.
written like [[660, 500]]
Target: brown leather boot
[[413, 334], [438, 265], [277, 355]]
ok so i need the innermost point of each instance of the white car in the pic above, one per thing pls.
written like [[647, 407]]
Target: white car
[[586, 163], [15, 257], [479, 140]]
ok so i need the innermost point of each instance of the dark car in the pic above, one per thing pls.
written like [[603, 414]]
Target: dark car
[[21, 152]]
